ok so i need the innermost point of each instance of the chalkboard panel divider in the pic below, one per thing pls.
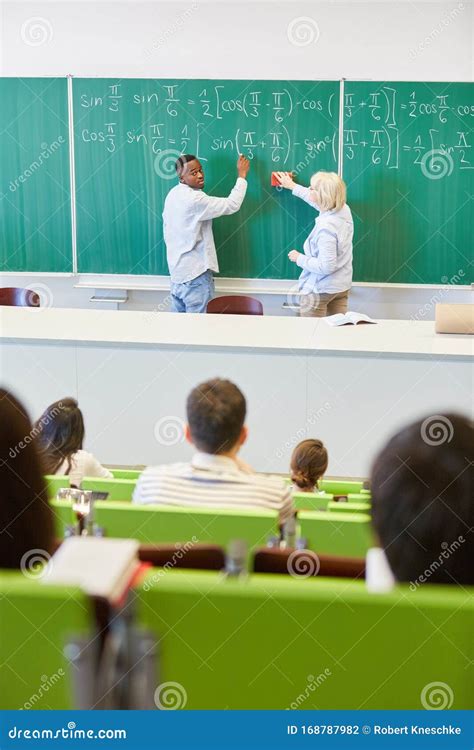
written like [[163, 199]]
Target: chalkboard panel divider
[[72, 172], [340, 153]]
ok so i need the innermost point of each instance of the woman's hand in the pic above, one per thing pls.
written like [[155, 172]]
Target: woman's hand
[[285, 180], [293, 255]]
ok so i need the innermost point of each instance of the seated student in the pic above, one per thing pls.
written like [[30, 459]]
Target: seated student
[[26, 519], [309, 462], [60, 434], [215, 477], [422, 501]]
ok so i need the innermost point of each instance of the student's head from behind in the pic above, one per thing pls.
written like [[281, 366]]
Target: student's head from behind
[[26, 519], [59, 433], [328, 191], [216, 413], [422, 496], [190, 171], [309, 463]]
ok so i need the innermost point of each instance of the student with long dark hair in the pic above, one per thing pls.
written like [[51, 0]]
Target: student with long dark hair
[[26, 519], [60, 435]]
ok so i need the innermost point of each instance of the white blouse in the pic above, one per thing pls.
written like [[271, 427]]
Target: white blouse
[[83, 464]]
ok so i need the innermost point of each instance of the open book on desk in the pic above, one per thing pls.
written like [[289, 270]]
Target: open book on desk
[[348, 318]]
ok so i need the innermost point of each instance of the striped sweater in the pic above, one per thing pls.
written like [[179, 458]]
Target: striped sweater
[[211, 481]]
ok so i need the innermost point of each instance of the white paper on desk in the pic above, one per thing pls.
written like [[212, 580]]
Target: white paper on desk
[[348, 318]]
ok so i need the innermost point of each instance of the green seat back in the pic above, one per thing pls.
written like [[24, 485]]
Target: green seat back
[[36, 622], [275, 642], [359, 498], [126, 473], [119, 490], [55, 483], [349, 507], [345, 534], [311, 500], [340, 487], [167, 524]]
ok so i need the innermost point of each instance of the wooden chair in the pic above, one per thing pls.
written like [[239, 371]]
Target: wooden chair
[[306, 562], [235, 305], [197, 556], [15, 297]]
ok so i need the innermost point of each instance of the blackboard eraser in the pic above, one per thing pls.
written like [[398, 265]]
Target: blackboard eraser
[[275, 181]]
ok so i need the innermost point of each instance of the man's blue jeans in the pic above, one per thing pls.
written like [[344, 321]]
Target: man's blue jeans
[[193, 296]]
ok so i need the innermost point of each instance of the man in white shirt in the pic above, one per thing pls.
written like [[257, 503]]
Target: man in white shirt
[[187, 227], [216, 477]]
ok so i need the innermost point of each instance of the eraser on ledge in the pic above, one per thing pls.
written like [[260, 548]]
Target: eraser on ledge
[[275, 182]]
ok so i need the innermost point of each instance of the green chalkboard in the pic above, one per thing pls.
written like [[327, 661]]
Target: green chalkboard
[[128, 134], [408, 161], [35, 203]]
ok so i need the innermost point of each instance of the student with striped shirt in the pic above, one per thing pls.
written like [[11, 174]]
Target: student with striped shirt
[[215, 477]]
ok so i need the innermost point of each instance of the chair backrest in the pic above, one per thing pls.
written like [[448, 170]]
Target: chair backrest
[[340, 486], [194, 556], [126, 473], [36, 623], [345, 534], [306, 563], [54, 483], [311, 500], [235, 305], [163, 524], [119, 490], [338, 646], [349, 507], [11, 296]]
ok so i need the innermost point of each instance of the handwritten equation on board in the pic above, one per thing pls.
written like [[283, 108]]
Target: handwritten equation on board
[[172, 121], [411, 128]]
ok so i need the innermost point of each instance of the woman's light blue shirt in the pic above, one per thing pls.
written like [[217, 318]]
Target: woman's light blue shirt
[[327, 259]]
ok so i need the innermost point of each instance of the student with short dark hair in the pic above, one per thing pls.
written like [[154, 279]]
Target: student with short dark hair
[[215, 477], [422, 500], [309, 463], [60, 435], [187, 228], [26, 519]]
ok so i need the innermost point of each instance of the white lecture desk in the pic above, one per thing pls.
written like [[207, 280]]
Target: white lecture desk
[[131, 372]]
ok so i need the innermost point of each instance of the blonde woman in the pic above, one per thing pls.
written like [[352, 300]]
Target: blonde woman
[[326, 263]]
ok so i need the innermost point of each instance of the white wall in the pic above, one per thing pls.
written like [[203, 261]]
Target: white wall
[[380, 40]]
